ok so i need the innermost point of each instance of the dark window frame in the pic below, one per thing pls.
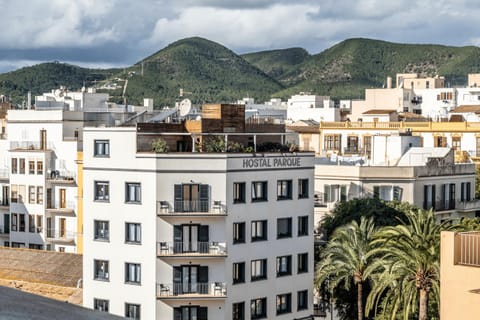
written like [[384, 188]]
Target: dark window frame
[[238, 272], [239, 192], [287, 233], [259, 230], [284, 190], [104, 151], [239, 232], [303, 189], [262, 266], [262, 188], [284, 262]]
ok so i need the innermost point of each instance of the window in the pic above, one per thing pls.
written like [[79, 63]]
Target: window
[[100, 304], [14, 196], [35, 246], [39, 167], [303, 226], [284, 303], [21, 193], [259, 230], [31, 167], [21, 223], [259, 191], [456, 143], [39, 195], [284, 189], [14, 226], [387, 193], [465, 191], [258, 269], [39, 224], [102, 148], [101, 230], [258, 308], [332, 142], [238, 272], [14, 165], [100, 270], [334, 193], [439, 141], [239, 232], [101, 190], [429, 197], [238, 311], [132, 311], [133, 192], [284, 266], [302, 188], [22, 166], [302, 262], [132, 273], [352, 145], [449, 196], [367, 145], [31, 223], [302, 300], [133, 232], [190, 313], [284, 228], [31, 194], [239, 192]]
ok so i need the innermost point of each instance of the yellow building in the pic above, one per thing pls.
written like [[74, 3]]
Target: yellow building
[[460, 276]]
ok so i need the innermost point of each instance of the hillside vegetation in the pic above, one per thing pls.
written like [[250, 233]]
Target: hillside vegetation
[[209, 72]]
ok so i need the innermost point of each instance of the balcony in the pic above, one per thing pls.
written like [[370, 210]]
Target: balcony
[[4, 203], [191, 208], [189, 291], [192, 249], [54, 235], [30, 145], [352, 150], [4, 174], [61, 177], [467, 249], [4, 231], [471, 205], [63, 209]]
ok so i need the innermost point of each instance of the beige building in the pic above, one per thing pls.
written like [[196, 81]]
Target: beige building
[[460, 276]]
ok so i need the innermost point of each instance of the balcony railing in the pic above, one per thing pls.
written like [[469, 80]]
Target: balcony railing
[[4, 173], [57, 235], [192, 290], [192, 248], [187, 207], [467, 249], [29, 145], [61, 176], [67, 206], [4, 230]]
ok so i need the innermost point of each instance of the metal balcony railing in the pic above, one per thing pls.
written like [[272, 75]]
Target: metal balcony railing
[[191, 207], [191, 248], [191, 290], [467, 249], [68, 205], [59, 235], [61, 176]]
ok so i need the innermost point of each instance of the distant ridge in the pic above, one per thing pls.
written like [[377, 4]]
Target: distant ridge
[[210, 72]]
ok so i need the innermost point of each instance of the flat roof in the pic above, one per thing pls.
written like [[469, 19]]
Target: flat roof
[[19, 305]]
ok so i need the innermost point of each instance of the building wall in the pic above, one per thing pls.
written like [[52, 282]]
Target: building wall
[[457, 281]]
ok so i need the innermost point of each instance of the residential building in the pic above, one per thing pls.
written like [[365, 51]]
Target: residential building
[[460, 275], [399, 169], [305, 106], [197, 235]]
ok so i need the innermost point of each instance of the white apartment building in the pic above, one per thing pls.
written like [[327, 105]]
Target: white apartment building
[[41, 155], [191, 235], [399, 170], [311, 107]]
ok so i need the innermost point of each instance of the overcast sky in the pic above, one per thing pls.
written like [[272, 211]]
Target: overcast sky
[[113, 33]]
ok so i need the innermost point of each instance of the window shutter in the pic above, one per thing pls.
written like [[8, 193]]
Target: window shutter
[[469, 191], [444, 196], [177, 239], [177, 280], [204, 199], [178, 195], [203, 233], [425, 197], [376, 192], [434, 196], [326, 193], [462, 191], [343, 193], [177, 313], [203, 279], [202, 313]]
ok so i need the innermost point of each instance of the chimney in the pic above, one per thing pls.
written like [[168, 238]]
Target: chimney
[[389, 82], [43, 139]]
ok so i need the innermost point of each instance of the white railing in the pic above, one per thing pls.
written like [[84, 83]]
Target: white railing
[[191, 248], [56, 234], [191, 206], [69, 205], [61, 175], [4, 173], [29, 145], [213, 289], [469, 249]]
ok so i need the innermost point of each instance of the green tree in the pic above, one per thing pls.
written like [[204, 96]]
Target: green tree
[[345, 258], [406, 270]]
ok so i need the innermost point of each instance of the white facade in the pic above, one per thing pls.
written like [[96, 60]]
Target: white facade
[[41, 155], [73, 101], [187, 207], [306, 106]]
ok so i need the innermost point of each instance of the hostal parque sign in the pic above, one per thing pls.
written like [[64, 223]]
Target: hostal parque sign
[[271, 162]]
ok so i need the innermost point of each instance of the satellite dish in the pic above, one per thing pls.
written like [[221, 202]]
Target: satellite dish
[[184, 107]]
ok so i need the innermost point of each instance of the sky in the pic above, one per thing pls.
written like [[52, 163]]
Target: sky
[[118, 33]]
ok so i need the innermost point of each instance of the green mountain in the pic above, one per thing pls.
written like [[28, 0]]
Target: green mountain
[[209, 72], [347, 68], [47, 76], [278, 63]]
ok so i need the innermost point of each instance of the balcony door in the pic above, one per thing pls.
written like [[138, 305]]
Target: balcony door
[[63, 198], [191, 197], [63, 227], [188, 279], [190, 238]]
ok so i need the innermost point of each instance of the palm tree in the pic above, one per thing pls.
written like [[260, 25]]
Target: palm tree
[[345, 258], [406, 270]]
